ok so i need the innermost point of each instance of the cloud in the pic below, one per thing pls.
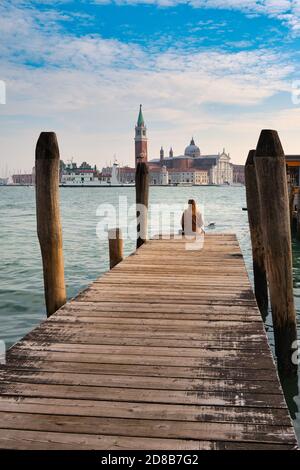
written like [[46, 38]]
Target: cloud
[[287, 11], [38, 51], [88, 88]]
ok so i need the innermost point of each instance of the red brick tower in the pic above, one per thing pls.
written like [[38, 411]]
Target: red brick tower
[[141, 151]]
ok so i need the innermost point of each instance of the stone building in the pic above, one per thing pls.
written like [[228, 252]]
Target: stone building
[[192, 166], [126, 175], [238, 174], [189, 168], [293, 169], [191, 176], [163, 176], [24, 179]]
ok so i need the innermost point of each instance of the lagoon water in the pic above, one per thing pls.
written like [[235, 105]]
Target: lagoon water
[[86, 253]]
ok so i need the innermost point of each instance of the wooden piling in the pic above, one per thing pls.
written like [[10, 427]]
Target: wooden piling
[[291, 191], [298, 221], [48, 220], [142, 195], [115, 241], [295, 212], [274, 205], [258, 252]]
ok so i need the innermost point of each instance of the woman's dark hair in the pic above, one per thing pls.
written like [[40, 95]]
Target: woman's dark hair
[[192, 203]]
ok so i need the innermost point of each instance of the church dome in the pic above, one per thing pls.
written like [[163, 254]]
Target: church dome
[[192, 150]]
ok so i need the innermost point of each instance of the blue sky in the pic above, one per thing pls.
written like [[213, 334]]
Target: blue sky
[[217, 69]]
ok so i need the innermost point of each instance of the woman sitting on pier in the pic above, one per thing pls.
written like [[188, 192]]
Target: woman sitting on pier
[[192, 220]]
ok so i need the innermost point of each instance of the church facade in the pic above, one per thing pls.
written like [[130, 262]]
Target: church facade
[[217, 167], [189, 168]]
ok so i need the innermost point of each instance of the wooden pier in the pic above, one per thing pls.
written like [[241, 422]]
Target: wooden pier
[[165, 351]]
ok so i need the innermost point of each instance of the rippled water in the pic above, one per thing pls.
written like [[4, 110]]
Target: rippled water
[[86, 257]]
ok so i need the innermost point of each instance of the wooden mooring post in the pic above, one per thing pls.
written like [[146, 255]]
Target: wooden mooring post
[[115, 241], [142, 196], [258, 252], [270, 167], [297, 213], [292, 194], [49, 229]]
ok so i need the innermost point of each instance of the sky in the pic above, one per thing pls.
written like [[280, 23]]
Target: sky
[[217, 70]]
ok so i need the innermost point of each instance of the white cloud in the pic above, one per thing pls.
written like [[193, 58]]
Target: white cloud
[[88, 90], [287, 11]]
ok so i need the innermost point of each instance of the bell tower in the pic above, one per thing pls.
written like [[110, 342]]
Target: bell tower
[[161, 155], [141, 148]]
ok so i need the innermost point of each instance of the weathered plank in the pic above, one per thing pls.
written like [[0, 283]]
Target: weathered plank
[[34, 365], [166, 351], [143, 382], [134, 410], [149, 428], [38, 440]]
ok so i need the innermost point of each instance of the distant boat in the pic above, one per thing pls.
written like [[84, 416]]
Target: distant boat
[[183, 184]]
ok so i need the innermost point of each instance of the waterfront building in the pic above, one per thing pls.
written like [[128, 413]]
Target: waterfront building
[[105, 174], [74, 175], [293, 169], [24, 179], [193, 167], [159, 176], [127, 175], [192, 176], [162, 176], [238, 174]]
